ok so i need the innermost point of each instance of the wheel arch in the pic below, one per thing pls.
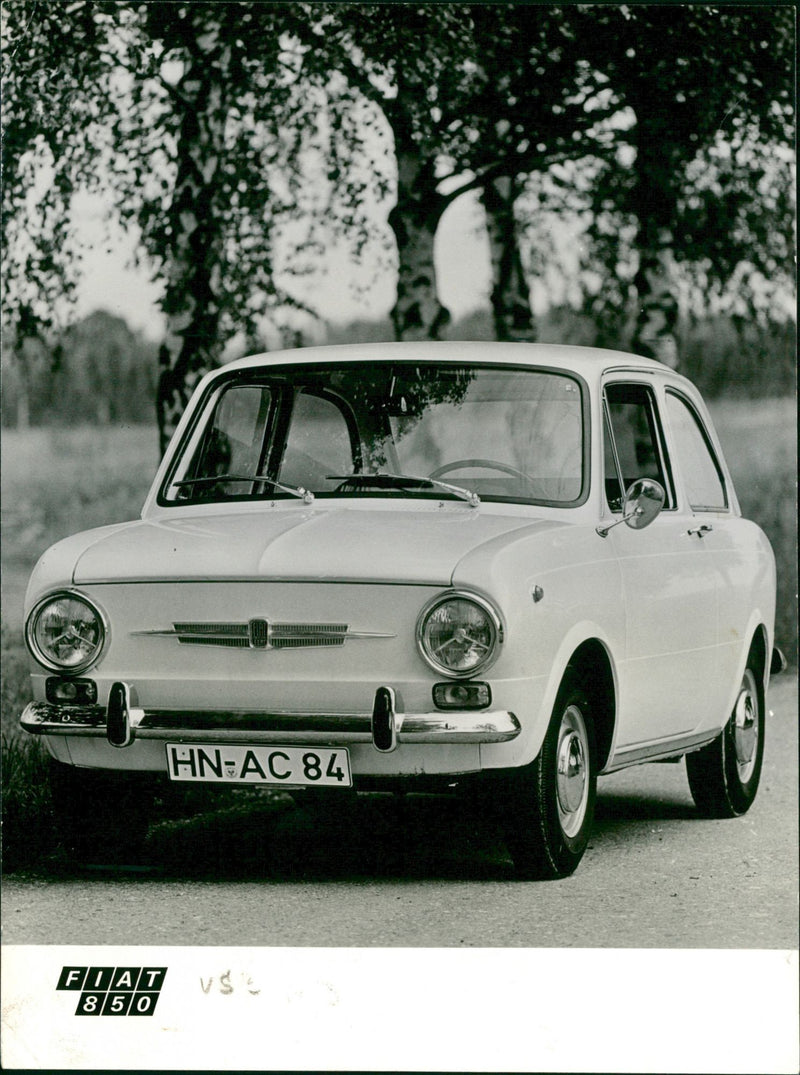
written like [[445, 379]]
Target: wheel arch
[[758, 653], [758, 649], [592, 663]]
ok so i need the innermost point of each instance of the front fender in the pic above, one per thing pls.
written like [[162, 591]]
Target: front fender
[[535, 697], [55, 568]]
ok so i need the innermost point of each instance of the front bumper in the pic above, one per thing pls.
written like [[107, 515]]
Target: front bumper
[[386, 728]]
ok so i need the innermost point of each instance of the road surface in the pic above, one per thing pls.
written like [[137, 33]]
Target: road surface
[[424, 871]]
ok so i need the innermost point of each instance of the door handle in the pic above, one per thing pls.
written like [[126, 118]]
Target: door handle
[[701, 531]]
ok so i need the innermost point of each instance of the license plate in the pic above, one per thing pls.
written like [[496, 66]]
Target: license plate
[[295, 766]]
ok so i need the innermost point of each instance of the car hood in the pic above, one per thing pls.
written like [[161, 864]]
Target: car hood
[[353, 544]]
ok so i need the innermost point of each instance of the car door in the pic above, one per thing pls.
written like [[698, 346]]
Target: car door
[[670, 585], [736, 545]]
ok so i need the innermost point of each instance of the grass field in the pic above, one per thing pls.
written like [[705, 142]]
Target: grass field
[[759, 439], [58, 481]]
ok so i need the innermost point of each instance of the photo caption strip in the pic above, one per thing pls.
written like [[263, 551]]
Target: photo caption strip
[[114, 990]]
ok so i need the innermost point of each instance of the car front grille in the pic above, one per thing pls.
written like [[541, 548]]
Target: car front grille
[[259, 634]]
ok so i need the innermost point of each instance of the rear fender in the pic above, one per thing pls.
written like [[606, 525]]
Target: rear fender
[[760, 647]]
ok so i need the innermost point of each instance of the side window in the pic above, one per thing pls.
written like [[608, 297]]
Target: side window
[[632, 442], [318, 444], [702, 476]]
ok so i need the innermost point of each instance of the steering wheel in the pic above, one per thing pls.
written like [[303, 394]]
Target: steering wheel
[[488, 464]]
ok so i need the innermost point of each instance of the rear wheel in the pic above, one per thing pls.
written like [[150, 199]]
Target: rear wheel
[[548, 808], [724, 776], [101, 817]]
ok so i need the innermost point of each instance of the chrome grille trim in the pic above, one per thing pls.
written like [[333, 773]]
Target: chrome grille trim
[[261, 634], [212, 634], [294, 635]]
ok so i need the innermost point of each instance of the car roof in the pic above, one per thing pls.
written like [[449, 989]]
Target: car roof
[[588, 362]]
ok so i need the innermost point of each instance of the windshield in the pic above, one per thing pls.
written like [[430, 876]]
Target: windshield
[[385, 429]]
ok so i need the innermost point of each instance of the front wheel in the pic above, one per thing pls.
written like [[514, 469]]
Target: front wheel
[[548, 807], [723, 776]]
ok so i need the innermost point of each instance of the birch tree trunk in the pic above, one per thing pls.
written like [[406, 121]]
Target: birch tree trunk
[[192, 268], [417, 314], [511, 307]]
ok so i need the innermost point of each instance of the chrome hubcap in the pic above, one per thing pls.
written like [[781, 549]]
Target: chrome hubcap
[[572, 775], [745, 727]]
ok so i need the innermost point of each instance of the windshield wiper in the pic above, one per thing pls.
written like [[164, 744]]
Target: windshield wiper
[[406, 481], [305, 494]]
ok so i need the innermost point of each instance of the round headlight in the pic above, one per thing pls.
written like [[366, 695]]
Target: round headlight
[[459, 634], [65, 632]]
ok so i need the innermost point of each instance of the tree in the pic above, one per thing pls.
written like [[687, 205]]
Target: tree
[[475, 97], [510, 297], [105, 372], [202, 41], [205, 118], [411, 64], [462, 91], [698, 181], [663, 125], [97, 371], [195, 115], [46, 92], [537, 104]]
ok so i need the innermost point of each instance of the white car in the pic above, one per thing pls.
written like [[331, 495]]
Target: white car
[[409, 566]]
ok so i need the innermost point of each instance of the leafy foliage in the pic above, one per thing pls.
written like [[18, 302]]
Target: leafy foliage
[[706, 154], [229, 133], [104, 90], [54, 128], [410, 64]]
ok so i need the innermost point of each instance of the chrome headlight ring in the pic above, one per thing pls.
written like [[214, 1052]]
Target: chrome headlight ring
[[459, 634], [87, 637]]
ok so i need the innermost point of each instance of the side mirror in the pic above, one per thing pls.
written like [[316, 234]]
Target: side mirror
[[643, 502]]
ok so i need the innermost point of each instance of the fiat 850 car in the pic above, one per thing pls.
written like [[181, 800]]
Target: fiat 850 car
[[508, 566]]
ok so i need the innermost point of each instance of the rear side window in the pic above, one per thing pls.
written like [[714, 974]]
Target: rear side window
[[702, 475]]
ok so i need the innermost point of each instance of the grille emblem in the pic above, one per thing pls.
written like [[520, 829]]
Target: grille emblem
[[258, 634]]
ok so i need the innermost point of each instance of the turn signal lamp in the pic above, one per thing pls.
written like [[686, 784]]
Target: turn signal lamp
[[462, 695], [70, 691]]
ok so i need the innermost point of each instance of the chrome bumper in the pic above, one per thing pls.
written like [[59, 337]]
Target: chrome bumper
[[121, 723]]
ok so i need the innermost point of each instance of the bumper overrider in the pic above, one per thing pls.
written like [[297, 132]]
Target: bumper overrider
[[121, 723]]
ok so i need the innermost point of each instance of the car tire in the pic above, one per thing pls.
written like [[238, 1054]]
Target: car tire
[[101, 817], [724, 776], [548, 808]]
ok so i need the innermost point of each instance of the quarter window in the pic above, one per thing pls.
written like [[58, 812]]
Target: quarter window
[[233, 440], [702, 476]]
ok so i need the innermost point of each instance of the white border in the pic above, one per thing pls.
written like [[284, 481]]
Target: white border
[[365, 1009]]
